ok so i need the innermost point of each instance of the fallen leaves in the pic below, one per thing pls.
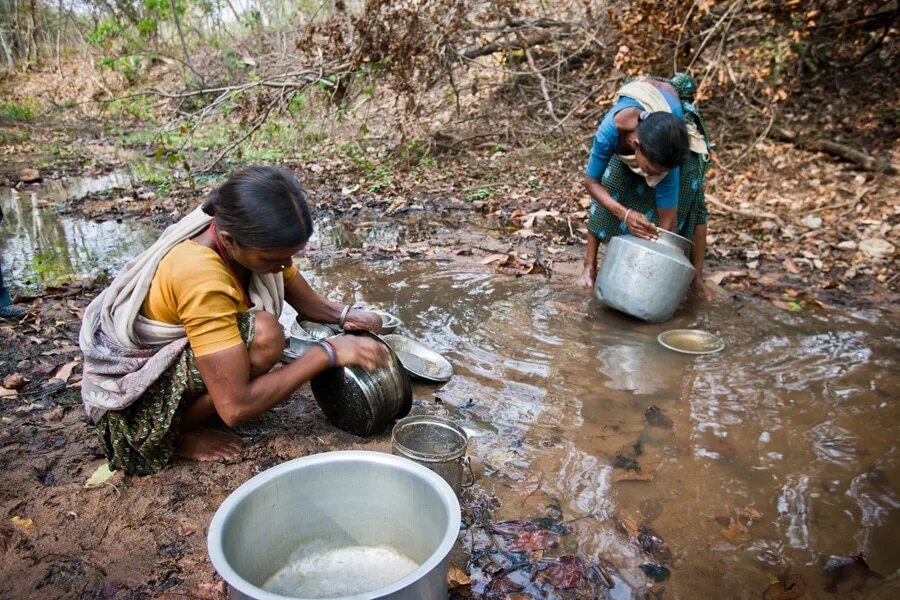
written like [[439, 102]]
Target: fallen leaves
[[22, 525], [65, 371], [6, 393], [14, 381], [515, 264], [99, 477], [736, 533], [457, 580]]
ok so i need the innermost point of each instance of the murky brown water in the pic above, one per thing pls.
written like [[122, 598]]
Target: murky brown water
[[795, 419]]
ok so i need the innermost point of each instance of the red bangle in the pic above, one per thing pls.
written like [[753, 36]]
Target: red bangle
[[332, 356]]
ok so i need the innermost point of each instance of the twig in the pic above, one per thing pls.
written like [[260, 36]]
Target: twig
[[712, 30], [861, 159], [760, 138], [543, 81], [744, 213], [251, 131]]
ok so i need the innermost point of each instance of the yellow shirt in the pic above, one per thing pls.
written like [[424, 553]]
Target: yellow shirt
[[194, 288]]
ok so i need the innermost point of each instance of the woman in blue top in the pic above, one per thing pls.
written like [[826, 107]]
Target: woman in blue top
[[647, 168]]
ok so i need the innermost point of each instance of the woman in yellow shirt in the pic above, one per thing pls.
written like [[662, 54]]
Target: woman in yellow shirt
[[189, 329]]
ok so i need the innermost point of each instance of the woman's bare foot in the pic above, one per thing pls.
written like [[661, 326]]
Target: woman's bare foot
[[207, 445], [587, 277]]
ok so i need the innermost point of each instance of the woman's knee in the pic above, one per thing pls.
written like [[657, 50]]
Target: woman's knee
[[268, 341]]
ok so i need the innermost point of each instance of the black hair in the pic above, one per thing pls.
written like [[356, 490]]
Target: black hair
[[664, 139], [262, 207]]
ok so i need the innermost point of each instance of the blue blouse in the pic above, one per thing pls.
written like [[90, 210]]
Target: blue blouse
[[606, 143]]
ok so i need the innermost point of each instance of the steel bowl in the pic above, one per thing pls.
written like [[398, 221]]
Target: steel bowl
[[344, 498], [389, 322], [420, 360], [691, 341], [364, 402]]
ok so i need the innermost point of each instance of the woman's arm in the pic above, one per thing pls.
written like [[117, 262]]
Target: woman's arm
[[236, 398], [313, 307]]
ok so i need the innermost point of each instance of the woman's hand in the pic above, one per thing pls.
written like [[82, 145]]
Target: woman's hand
[[588, 276], [359, 350], [639, 226], [362, 320]]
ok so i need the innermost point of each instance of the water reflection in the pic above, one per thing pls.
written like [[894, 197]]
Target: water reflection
[[41, 247], [787, 421]]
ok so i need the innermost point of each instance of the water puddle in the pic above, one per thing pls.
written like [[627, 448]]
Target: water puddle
[[756, 463], [41, 247]]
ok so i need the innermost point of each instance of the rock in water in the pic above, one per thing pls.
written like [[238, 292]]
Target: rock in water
[[29, 175]]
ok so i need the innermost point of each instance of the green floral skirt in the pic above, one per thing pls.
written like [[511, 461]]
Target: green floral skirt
[[630, 190], [140, 439]]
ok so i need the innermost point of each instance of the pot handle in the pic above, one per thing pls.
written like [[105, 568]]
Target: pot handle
[[468, 462]]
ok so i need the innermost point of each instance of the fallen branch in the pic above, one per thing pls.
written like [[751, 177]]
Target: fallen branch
[[860, 159], [754, 214]]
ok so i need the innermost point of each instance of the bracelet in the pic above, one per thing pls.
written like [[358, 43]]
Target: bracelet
[[625, 218], [329, 349], [344, 313]]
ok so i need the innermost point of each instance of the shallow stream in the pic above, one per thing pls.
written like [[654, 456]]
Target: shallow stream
[[792, 430], [794, 424]]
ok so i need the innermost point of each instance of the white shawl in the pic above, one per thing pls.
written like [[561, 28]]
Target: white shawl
[[649, 96], [125, 352]]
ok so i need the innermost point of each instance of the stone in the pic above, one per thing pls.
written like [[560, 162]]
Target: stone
[[29, 175], [876, 248], [847, 245]]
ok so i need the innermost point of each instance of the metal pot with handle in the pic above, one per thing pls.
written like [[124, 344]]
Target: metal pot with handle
[[645, 278]]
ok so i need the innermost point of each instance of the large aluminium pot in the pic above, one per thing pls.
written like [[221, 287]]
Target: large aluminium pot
[[364, 402], [345, 498], [645, 278]]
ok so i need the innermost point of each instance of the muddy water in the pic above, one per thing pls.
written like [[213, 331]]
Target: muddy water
[[796, 419], [40, 247]]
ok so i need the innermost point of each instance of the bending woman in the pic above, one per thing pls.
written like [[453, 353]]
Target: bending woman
[[189, 328], [647, 168]]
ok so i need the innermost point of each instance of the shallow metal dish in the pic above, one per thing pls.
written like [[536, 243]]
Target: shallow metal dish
[[389, 322], [691, 341], [419, 360], [297, 347], [310, 329]]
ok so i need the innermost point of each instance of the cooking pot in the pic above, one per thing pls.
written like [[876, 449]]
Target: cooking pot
[[364, 402], [344, 499], [645, 278]]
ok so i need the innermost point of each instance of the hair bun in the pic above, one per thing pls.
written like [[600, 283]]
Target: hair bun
[[209, 205]]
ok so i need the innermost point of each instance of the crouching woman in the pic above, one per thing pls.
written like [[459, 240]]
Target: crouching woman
[[189, 328]]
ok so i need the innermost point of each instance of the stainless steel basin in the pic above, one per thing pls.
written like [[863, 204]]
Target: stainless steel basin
[[347, 498]]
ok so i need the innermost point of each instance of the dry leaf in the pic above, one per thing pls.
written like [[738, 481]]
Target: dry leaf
[[7, 393], [65, 371], [14, 381], [500, 259], [457, 579], [100, 476], [736, 533], [23, 525]]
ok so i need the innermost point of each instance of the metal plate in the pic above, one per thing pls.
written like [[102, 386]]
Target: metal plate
[[691, 341], [419, 360]]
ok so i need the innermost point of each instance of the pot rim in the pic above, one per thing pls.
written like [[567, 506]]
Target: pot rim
[[429, 456], [226, 509]]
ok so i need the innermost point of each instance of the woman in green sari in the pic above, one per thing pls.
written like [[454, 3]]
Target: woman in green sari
[[647, 168]]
